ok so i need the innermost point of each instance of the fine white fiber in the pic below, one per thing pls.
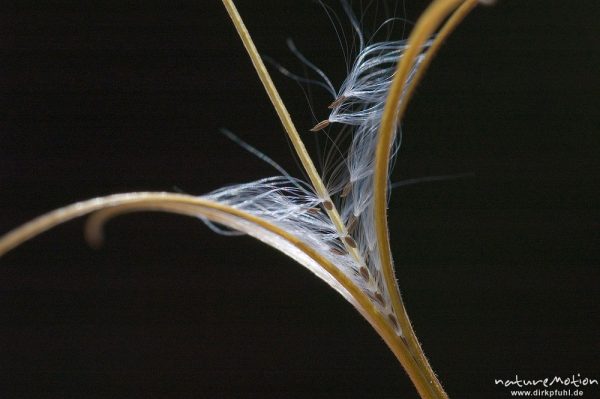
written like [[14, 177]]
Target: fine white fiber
[[352, 128]]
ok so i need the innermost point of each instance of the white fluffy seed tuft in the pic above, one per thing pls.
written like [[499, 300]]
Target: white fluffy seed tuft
[[291, 204]]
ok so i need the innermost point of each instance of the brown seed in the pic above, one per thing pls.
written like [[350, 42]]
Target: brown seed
[[328, 205], [364, 273], [350, 241], [393, 320], [337, 102], [405, 342], [346, 190], [379, 298], [320, 126], [367, 257], [351, 223], [313, 210], [336, 251]]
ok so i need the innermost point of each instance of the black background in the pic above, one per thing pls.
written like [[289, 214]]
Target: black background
[[499, 272]]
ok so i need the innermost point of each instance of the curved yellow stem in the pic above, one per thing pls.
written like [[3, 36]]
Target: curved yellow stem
[[426, 26], [394, 110], [455, 19], [117, 204]]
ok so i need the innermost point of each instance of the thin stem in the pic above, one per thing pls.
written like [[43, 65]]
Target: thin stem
[[419, 371], [116, 204], [419, 377], [452, 23], [113, 205], [431, 19], [290, 128]]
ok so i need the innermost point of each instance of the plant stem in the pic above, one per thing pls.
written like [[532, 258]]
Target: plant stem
[[105, 208], [394, 110], [416, 364], [290, 128]]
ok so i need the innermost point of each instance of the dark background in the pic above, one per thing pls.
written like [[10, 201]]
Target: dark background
[[499, 272]]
